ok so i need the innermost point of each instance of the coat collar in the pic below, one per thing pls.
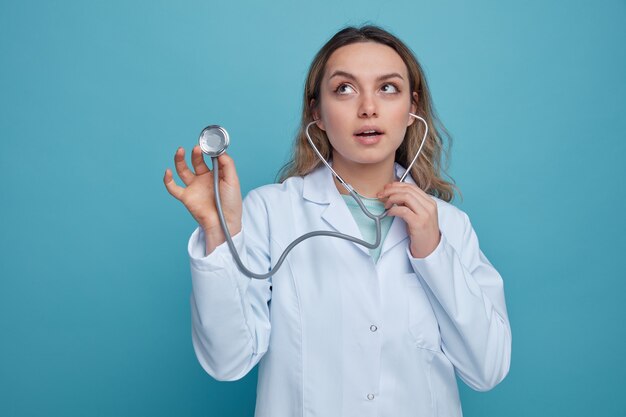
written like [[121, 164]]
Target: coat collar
[[319, 187]]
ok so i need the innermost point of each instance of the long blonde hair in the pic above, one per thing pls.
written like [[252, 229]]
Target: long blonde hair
[[432, 163]]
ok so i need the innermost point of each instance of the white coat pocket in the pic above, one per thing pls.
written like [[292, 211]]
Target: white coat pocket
[[423, 325]]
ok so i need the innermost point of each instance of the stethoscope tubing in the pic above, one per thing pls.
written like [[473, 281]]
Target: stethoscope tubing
[[377, 218]]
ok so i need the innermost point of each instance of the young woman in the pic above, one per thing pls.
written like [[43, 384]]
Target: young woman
[[341, 330]]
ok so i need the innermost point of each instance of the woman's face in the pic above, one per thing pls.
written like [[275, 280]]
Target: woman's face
[[365, 100]]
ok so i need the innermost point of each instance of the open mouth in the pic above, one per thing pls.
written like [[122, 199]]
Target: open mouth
[[369, 133]]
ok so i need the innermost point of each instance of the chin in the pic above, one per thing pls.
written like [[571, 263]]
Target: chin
[[373, 160], [365, 157]]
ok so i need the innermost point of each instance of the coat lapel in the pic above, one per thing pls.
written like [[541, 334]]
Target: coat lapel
[[397, 233], [319, 187], [338, 216]]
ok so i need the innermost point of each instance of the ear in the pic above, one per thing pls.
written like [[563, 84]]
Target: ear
[[413, 108], [316, 114]]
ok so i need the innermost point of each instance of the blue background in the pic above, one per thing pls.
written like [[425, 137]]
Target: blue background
[[95, 97]]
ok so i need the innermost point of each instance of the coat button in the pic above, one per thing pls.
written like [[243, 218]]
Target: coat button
[[373, 328], [370, 396]]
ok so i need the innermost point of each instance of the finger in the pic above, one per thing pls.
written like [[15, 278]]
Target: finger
[[197, 160], [408, 200], [227, 169], [397, 187], [403, 212], [400, 186], [182, 169], [174, 189]]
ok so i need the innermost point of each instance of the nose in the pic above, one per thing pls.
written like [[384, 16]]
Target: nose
[[367, 106]]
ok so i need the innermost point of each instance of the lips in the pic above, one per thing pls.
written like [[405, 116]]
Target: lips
[[368, 135], [368, 131]]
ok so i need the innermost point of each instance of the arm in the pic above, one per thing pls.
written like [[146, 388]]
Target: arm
[[230, 312], [467, 296], [464, 289]]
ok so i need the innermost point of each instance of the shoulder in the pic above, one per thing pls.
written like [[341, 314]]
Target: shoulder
[[270, 194], [452, 220]]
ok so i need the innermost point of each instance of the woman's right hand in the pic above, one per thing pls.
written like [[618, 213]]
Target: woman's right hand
[[199, 197]]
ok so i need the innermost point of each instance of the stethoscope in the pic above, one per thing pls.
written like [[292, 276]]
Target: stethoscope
[[213, 142]]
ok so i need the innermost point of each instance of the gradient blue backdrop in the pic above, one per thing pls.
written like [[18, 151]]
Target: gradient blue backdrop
[[96, 96]]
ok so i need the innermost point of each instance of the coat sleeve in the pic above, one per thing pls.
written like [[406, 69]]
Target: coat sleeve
[[230, 315], [467, 296]]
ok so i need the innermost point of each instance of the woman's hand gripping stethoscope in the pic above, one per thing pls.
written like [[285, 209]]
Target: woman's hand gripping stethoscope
[[419, 212], [199, 197]]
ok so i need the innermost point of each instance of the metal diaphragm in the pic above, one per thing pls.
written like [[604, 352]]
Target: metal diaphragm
[[213, 140]]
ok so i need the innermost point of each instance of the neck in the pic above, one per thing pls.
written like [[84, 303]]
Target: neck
[[366, 179]]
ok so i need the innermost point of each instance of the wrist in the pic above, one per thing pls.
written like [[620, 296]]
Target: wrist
[[212, 239], [421, 251], [214, 236]]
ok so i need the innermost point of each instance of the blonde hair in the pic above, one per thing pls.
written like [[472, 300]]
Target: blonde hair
[[432, 162]]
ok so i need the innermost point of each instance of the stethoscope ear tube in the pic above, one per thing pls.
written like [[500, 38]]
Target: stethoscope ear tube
[[347, 186], [419, 150]]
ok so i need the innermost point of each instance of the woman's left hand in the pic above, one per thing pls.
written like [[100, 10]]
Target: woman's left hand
[[419, 212]]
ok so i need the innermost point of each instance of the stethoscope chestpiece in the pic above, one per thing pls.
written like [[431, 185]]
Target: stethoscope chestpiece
[[213, 140]]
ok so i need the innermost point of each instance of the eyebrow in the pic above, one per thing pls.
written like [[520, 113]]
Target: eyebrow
[[340, 73]]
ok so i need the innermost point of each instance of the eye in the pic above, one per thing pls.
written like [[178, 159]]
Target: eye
[[389, 88], [344, 89]]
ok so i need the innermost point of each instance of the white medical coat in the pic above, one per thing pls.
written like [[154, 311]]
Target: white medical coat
[[335, 334]]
